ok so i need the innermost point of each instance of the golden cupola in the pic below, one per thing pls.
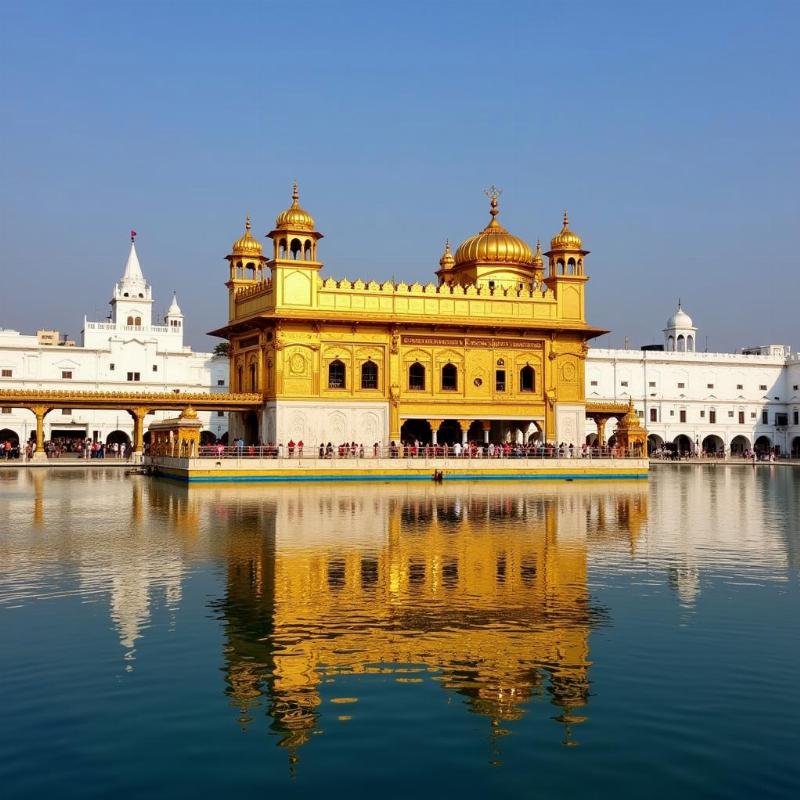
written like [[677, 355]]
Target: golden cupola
[[566, 239], [566, 253], [295, 218], [445, 264], [494, 255], [248, 246], [246, 259], [294, 236]]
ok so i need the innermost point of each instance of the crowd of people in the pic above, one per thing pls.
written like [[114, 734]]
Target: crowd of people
[[408, 449], [66, 447]]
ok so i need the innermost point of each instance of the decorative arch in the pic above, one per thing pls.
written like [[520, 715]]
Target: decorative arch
[[337, 375], [740, 445], [416, 377], [690, 343], [369, 375], [296, 249], [449, 377], [681, 343], [6, 434], [527, 379], [116, 437]]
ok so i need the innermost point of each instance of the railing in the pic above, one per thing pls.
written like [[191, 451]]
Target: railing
[[296, 453]]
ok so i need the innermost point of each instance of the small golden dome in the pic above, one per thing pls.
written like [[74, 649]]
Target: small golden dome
[[447, 260], [247, 245], [565, 239], [295, 218], [538, 261], [494, 244]]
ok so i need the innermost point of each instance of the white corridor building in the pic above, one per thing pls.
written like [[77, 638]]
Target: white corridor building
[[125, 353], [702, 401]]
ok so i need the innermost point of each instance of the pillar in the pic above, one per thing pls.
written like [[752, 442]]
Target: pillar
[[40, 412], [464, 423], [435, 425], [138, 415], [487, 429], [601, 430]]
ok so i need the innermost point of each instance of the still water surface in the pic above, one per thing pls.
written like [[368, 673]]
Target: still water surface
[[517, 640]]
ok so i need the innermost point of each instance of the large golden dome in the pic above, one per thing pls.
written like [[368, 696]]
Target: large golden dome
[[494, 245], [295, 218], [565, 239], [247, 245]]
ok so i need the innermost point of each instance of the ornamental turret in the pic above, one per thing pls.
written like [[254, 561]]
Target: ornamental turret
[[566, 276], [446, 263], [294, 262], [132, 300], [247, 264]]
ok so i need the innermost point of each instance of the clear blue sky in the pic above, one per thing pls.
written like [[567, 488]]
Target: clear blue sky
[[669, 130]]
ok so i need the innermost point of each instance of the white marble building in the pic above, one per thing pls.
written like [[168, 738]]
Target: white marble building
[[703, 401], [126, 352]]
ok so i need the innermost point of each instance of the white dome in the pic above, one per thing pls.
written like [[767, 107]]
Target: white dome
[[680, 319]]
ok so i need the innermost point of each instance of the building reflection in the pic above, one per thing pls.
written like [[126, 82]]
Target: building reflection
[[481, 588]]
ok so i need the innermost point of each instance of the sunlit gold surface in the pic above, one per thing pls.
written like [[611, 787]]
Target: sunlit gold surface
[[493, 308], [247, 246]]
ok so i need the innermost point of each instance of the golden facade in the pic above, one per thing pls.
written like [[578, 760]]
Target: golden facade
[[494, 348]]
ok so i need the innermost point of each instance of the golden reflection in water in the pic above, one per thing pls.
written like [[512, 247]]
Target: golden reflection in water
[[481, 588]]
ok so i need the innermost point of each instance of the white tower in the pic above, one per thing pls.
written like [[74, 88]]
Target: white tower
[[132, 301], [680, 335], [174, 317]]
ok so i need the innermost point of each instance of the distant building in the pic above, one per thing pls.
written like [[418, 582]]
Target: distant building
[[125, 353], [703, 401]]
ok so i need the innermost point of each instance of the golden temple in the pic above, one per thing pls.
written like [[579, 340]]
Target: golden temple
[[492, 351]]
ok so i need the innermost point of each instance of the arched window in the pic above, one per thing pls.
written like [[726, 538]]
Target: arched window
[[449, 377], [253, 386], [580, 266], [681, 344], [336, 374], [239, 385], [138, 322], [369, 375], [560, 268], [571, 267], [130, 321], [527, 379], [307, 250], [416, 376], [690, 344], [296, 247], [282, 249]]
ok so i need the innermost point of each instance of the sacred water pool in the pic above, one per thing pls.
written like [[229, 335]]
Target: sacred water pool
[[635, 638]]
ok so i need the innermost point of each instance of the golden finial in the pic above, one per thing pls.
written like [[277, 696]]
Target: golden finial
[[566, 218], [493, 193], [295, 196], [247, 225]]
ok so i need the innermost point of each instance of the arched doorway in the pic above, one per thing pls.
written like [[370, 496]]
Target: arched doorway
[[449, 432], [739, 445], [475, 432], [796, 447], [654, 442], [713, 445], [591, 440], [683, 444], [146, 437], [207, 438], [118, 437], [250, 428], [6, 434], [416, 430], [762, 445], [224, 438]]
